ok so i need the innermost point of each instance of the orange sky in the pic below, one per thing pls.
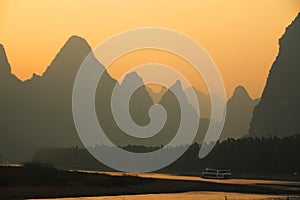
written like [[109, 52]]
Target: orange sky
[[241, 36]]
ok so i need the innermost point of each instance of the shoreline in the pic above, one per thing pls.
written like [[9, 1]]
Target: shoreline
[[189, 195], [92, 184]]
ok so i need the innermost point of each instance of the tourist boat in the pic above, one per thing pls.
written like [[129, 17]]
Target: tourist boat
[[216, 173]]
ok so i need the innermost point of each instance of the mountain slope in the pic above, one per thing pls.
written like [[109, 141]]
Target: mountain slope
[[37, 113], [171, 103], [239, 113], [10, 110], [203, 100], [41, 109], [139, 105], [278, 112]]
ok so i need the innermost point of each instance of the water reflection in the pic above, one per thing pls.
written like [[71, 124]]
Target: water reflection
[[191, 196]]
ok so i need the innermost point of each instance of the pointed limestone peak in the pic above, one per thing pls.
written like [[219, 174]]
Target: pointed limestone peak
[[241, 92], [70, 56], [4, 65], [132, 78], [177, 87], [75, 45], [291, 39], [76, 40], [177, 84]]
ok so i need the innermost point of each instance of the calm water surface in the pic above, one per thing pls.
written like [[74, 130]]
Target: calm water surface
[[196, 195], [191, 196]]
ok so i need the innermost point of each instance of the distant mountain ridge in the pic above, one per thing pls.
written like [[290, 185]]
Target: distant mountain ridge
[[37, 113], [239, 113], [42, 109], [203, 100]]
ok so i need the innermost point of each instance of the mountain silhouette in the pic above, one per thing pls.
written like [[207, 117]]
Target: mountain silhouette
[[139, 105], [278, 112], [42, 112], [171, 103], [239, 113], [238, 116], [156, 96], [140, 101], [37, 113], [10, 109], [6, 77], [203, 101]]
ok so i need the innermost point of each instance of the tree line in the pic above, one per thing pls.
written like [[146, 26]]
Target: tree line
[[260, 155]]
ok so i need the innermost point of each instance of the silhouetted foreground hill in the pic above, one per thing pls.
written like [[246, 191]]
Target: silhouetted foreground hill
[[278, 112], [257, 156]]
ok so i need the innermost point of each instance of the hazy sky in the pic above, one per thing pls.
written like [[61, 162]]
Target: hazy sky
[[241, 36]]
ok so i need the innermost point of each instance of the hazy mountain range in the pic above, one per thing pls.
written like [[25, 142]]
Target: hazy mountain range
[[37, 113]]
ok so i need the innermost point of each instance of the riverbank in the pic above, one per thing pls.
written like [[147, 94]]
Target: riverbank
[[191, 196], [47, 182]]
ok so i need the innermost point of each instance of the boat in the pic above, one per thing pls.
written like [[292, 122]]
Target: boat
[[216, 173]]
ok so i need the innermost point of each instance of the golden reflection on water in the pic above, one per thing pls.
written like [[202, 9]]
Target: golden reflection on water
[[196, 195], [191, 196], [198, 178]]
